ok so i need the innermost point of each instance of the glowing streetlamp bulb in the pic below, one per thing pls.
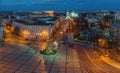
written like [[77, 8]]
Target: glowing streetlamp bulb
[[61, 32], [44, 32], [40, 34]]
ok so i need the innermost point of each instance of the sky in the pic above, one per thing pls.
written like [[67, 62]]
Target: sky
[[8, 5]]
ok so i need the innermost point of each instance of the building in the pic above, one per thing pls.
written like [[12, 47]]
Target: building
[[71, 15], [92, 19], [117, 16], [114, 53], [1, 32], [50, 13], [36, 14], [115, 32], [35, 29]]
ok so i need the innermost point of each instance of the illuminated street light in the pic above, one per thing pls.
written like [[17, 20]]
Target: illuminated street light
[[40, 34], [61, 32], [25, 33], [44, 32]]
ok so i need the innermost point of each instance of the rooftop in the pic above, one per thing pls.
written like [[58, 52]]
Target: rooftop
[[37, 23], [49, 18], [1, 25], [116, 24]]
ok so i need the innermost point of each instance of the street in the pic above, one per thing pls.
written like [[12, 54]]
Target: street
[[23, 59]]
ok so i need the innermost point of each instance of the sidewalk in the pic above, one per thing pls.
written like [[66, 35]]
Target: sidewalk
[[110, 62]]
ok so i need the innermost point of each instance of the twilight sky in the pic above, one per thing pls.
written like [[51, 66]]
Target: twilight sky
[[59, 5]]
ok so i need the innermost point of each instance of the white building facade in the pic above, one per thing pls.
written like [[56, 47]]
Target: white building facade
[[34, 31]]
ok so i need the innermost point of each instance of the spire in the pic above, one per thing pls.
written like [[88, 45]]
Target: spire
[[67, 15]]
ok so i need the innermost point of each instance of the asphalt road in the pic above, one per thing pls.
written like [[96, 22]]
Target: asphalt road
[[90, 61], [23, 59]]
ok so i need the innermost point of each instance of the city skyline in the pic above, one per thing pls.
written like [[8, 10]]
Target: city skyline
[[57, 36], [11, 5]]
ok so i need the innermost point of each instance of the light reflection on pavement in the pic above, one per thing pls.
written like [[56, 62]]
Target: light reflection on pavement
[[23, 59]]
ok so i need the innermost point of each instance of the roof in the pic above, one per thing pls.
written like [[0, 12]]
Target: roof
[[116, 24], [47, 18], [53, 19], [38, 23]]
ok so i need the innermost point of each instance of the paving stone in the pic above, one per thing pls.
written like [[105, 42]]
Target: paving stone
[[10, 71], [19, 72], [20, 61], [3, 70]]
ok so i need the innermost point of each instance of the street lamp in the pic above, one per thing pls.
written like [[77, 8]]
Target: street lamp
[[61, 32], [25, 33]]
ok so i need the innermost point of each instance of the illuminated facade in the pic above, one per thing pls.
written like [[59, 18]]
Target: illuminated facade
[[50, 13], [71, 15], [33, 30]]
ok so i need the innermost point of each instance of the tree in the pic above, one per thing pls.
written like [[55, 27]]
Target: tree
[[16, 31], [48, 50], [102, 23]]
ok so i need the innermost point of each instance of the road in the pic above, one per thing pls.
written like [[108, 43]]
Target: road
[[90, 61], [23, 59]]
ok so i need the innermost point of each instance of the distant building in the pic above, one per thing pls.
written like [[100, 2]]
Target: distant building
[[115, 43], [1, 32], [50, 13], [117, 16], [115, 32], [71, 15], [92, 19], [36, 14], [20, 17], [47, 19]]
